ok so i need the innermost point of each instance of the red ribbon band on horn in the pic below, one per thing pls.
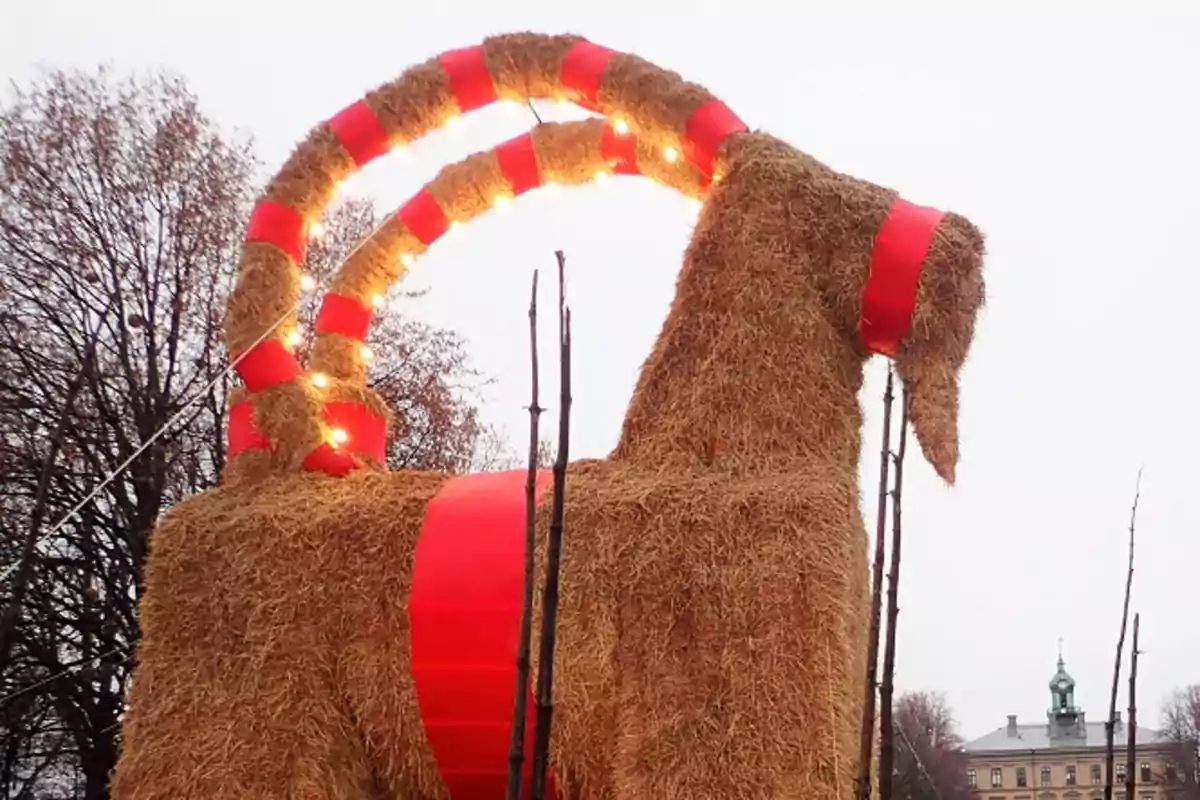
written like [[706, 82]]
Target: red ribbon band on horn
[[519, 164], [707, 129], [343, 314], [897, 258], [360, 132], [464, 611], [243, 434], [469, 78], [423, 217], [277, 224], [366, 431], [267, 364], [620, 151], [583, 70]]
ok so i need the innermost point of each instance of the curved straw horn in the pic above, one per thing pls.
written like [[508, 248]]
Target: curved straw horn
[[669, 116]]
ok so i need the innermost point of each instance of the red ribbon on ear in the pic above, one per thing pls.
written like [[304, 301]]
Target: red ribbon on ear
[[897, 259]]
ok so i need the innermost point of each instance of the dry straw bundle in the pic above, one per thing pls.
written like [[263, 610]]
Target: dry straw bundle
[[714, 581]]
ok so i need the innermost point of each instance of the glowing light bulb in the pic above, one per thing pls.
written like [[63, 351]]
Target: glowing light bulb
[[453, 226], [670, 154], [339, 437], [400, 151], [717, 176], [307, 282], [601, 175], [407, 260], [509, 105], [293, 339], [378, 300], [452, 123], [316, 230], [366, 354], [620, 126], [550, 186], [500, 202], [319, 380], [696, 206]]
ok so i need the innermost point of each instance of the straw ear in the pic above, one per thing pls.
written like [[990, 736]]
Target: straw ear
[[931, 394], [950, 294]]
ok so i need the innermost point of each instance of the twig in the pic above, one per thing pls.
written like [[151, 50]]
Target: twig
[[1111, 724], [533, 110], [887, 750], [545, 682], [1131, 737], [862, 785], [516, 751]]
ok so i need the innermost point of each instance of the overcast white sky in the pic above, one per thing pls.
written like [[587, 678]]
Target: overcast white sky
[[1068, 133]]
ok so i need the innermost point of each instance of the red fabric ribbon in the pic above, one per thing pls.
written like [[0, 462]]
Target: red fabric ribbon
[[360, 132], [333, 461], [277, 224], [464, 611], [243, 434], [897, 258], [366, 431], [267, 364], [469, 78], [343, 314], [518, 161], [620, 151], [707, 129], [583, 70], [423, 217]]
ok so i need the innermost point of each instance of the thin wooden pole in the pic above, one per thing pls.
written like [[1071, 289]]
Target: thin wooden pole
[[545, 682], [862, 785], [516, 748]]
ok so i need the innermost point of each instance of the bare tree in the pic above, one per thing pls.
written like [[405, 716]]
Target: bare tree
[[121, 215], [1181, 725], [930, 763]]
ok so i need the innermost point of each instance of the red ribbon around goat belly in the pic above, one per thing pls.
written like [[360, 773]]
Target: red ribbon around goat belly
[[464, 613]]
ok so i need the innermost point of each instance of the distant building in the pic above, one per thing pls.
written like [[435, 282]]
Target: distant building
[[1063, 758]]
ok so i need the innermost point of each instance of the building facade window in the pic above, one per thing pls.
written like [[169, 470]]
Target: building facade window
[[971, 780], [1121, 772], [997, 778], [1145, 770], [1097, 775], [1022, 781], [1171, 772], [1070, 774], [1045, 777]]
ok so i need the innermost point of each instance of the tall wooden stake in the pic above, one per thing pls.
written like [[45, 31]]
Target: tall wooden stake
[[516, 748], [1131, 739], [887, 747], [1111, 724], [862, 785], [545, 681]]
